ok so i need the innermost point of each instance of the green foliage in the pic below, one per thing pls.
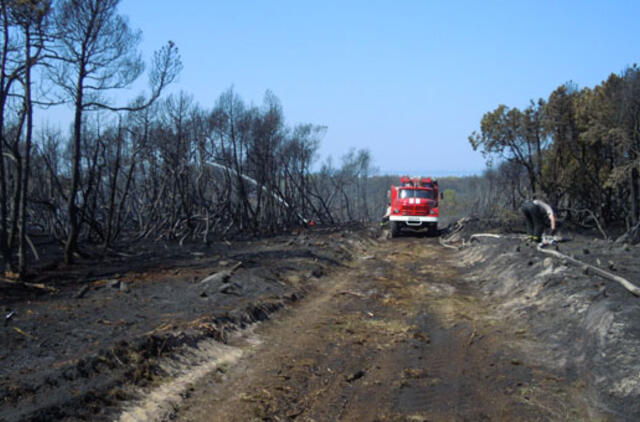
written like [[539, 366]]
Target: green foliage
[[580, 148], [509, 134], [451, 204]]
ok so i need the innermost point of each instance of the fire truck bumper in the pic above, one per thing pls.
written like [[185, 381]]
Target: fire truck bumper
[[412, 220]]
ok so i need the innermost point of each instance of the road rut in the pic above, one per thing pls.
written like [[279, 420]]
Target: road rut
[[399, 335]]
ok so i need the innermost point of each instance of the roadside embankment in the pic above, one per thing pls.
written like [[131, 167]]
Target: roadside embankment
[[580, 325]]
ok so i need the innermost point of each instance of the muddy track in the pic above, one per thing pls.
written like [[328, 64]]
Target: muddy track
[[399, 334]]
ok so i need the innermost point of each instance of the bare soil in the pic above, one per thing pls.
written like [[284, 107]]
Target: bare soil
[[400, 335], [335, 324]]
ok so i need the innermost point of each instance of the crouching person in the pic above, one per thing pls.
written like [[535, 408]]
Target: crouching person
[[537, 215]]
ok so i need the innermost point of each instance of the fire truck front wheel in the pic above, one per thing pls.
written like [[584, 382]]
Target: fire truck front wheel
[[395, 229]]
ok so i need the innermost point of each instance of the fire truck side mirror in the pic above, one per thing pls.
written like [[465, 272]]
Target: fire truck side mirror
[[441, 195], [389, 194]]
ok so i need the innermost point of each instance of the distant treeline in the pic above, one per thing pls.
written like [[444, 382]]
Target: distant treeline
[[579, 149]]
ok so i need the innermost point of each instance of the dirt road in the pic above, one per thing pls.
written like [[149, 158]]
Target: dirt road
[[398, 335]]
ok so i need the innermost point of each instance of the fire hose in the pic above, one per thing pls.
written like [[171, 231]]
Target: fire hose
[[632, 288]]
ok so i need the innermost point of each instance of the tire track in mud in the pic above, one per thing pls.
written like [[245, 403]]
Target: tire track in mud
[[188, 368], [398, 335]]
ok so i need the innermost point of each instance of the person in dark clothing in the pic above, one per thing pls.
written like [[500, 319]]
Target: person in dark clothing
[[536, 214]]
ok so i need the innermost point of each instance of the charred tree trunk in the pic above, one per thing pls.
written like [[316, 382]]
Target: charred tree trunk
[[4, 244], [635, 196], [22, 257], [113, 187], [72, 208]]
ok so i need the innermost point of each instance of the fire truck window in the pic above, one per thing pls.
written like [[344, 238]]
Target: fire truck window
[[428, 194], [406, 193]]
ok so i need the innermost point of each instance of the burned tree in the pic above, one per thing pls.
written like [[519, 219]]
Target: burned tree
[[97, 52]]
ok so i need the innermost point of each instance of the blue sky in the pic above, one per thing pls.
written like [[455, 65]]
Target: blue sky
[[409, 80]]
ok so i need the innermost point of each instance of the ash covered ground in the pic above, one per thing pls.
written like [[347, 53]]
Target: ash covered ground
[[113, 327], [75, 349], [583, 326]]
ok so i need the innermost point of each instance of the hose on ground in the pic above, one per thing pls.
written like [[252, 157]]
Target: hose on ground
[[632, 288]]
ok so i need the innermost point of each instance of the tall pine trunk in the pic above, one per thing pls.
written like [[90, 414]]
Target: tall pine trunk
[[72, 208], [22, 257], [635, 196]]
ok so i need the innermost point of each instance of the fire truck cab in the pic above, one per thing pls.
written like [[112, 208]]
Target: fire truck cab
[[414, 205]]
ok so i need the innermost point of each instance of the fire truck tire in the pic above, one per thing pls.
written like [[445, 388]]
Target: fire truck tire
[[395, 229]]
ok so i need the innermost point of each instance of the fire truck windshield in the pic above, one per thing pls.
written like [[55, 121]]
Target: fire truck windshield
[[416, 193], [422, 193]]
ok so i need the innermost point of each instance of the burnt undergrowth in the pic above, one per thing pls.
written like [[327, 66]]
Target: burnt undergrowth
[[70, 356], [95, 385], [568, 319]]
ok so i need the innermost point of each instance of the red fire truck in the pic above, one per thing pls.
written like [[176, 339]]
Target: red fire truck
[[414, 205]]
